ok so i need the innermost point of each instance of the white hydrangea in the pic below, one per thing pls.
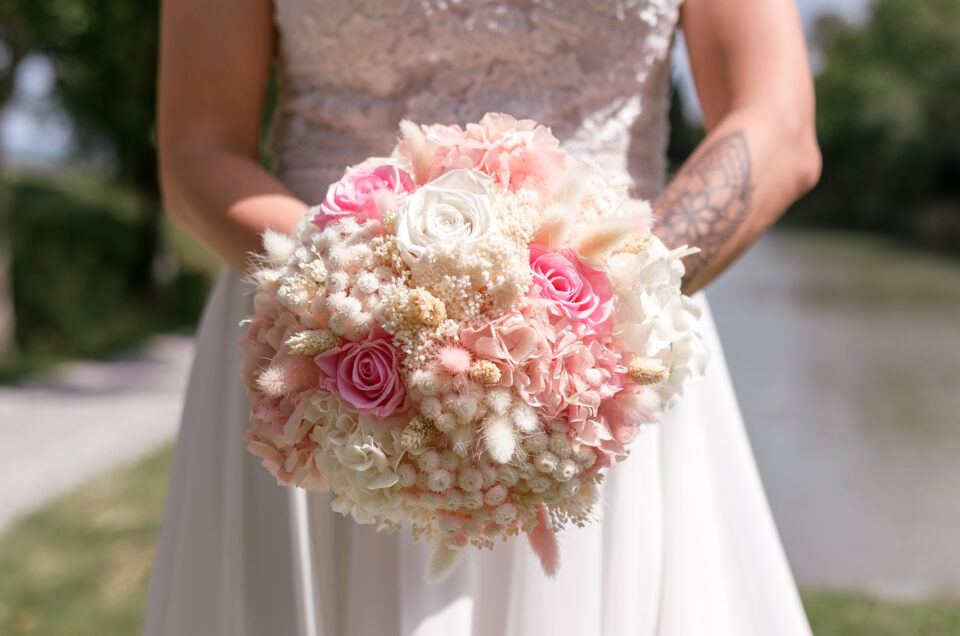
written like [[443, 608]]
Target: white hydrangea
[[654, 318], [360, 466]]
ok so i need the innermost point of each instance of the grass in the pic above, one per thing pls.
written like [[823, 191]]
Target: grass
[[80, 567], [837, 614], [74, 244]]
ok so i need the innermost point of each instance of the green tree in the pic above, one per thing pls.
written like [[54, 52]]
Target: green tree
[[105, 56], [13, 48], [888, 101]]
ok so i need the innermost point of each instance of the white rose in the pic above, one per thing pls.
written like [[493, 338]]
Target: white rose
[[453, 209]]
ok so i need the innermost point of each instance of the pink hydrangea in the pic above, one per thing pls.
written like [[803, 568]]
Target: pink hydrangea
[[277, 433], [356, 193], [520, 345], [581, 374], [366, 374], [519, 154], [555, 366], [514, 338], [580, 291]]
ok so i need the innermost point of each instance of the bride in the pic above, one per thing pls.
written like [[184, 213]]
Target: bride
[[686, 544]]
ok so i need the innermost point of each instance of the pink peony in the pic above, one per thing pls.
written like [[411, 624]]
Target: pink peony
[[366, 374], [581, 292], [355, 194]]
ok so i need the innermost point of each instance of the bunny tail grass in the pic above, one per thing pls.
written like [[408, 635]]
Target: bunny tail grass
[[442, 563], [571, 188], [544, 544], [499, 437], [524, 417], [278, 246], [555, 225], [631, 225], [416, 143], [604, 237]]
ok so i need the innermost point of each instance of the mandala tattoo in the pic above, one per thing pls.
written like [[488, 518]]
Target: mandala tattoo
[[708, 200]]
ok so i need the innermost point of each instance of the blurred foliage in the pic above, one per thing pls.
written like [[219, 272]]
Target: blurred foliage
[[105, 54], [13, 47], [888, 117], [81, 565], [73, 242], [91, 269], [105, 57]]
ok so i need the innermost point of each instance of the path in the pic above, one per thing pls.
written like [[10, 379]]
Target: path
[[88, 418]]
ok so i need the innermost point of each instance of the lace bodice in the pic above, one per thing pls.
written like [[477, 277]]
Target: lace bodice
[[595, 71]]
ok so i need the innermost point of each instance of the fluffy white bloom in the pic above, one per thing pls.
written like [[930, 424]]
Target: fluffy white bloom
[[454, 209], [358, 467], [654, 319]]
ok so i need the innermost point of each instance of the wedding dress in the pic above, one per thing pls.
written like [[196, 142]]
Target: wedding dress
[[686, 544]]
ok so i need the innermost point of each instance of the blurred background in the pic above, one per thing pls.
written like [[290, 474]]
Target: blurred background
[[841, 326]]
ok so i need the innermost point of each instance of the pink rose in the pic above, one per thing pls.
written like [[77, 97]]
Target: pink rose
[[354, 194], [366, 374], [581, 292]]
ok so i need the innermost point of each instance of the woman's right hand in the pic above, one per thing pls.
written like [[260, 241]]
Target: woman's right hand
[[215, 62]]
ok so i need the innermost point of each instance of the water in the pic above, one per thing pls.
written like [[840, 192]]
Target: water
[[845, 353]]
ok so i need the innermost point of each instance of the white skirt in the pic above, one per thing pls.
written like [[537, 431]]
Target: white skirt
[[686, 544]]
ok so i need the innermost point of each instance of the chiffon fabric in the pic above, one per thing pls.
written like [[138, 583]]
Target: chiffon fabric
[[685, 544]]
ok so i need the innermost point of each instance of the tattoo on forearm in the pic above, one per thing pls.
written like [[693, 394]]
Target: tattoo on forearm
[[708, 200]]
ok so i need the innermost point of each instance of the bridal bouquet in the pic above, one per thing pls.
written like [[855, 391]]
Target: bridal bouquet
[[463, 336]]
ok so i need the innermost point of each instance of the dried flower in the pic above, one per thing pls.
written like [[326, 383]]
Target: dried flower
[[312, 342], [647, 371], [499, 437], [417, 434], [484, 372], [425, 308]]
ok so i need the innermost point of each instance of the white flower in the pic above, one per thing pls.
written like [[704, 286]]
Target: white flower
[[364, 457], [654, 319], [455, 209], [358, 467]]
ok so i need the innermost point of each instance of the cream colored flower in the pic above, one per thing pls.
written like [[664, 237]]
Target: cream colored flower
[[655, 320], [455, 209], [359, 469]]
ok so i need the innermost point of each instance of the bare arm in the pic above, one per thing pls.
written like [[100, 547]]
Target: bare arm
[[750, 66], [214, 67]]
